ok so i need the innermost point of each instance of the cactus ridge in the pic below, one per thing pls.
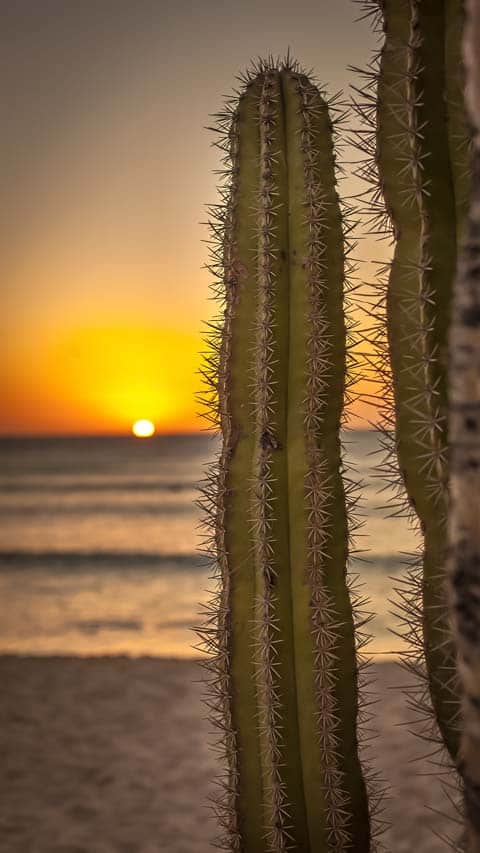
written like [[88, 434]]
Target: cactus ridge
[[265, 417], [402, 153], [293, 779], [318, 492]]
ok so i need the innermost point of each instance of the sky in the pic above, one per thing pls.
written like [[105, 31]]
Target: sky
[[106, 171]]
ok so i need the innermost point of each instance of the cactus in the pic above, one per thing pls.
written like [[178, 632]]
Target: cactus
[[280, 633], [464, 425], [419, 144]]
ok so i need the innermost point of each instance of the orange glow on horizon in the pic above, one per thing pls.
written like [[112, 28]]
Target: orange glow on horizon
[[97, 379]]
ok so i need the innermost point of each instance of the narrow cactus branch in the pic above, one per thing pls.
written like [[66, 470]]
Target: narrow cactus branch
[[414, 163], [280, 632], [464, 521], [417, 146]]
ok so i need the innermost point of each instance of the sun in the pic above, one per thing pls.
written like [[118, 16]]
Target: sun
[[143, 428]]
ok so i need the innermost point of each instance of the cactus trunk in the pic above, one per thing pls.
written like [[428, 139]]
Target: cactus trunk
[[284, 663], [423, 160], [464, 522]]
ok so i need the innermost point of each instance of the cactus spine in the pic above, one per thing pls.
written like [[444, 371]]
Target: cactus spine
[[420, 145], [464, 526], [281, 634]]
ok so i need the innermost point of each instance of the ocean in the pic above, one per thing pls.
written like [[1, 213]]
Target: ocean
[[100, 538]]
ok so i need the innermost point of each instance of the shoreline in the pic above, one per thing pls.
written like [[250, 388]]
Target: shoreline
[[110, 754]]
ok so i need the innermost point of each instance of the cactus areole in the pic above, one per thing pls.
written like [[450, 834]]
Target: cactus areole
[[282, 641]]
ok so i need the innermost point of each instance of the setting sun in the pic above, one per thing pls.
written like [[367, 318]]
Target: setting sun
[[143, 429]]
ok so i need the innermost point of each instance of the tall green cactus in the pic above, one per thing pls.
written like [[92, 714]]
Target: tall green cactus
[[420, 145], [464, 422], [281, 632]]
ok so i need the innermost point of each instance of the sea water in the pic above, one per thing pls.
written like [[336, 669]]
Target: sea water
[[100, 538]]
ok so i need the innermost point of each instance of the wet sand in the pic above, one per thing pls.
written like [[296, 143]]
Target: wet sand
[[111, 755]]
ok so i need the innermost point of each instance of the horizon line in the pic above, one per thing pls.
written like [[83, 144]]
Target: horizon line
[[208, 433], [125, 434]]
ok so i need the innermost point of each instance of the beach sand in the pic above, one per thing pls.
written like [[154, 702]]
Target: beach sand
[[111, 755]]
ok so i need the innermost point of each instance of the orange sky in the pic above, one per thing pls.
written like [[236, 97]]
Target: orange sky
[[108, 169]]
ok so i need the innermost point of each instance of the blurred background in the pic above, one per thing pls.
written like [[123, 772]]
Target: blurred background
[[107, 168]]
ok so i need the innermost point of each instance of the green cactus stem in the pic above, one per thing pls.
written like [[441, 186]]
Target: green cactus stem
[[464, 422], [283, 657], [421, 148], [414, 163]]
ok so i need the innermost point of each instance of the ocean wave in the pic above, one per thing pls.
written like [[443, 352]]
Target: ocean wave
[[97, 560], [49, 508], [91, 484], [379, 565], [94, 626]]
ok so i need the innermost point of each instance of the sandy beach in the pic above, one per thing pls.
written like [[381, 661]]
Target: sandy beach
[[111, 755]]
